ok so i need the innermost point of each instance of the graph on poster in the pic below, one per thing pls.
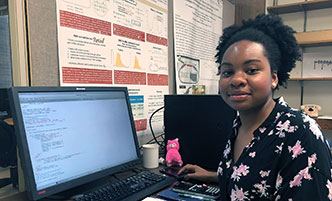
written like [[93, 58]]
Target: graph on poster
[[127, 62]]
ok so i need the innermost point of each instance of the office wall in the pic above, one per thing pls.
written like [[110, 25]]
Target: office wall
[[43, 52], [317, 92], [42, 42]]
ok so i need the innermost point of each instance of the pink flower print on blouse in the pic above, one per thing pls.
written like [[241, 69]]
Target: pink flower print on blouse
[[264, 173], [279, 148], [220, 170], [262, 188], [282, 101], [228, 163], [277, 116], [242, 170], [297, 181], [279, 181], [329, 186], [277, 198], [315, 130], [238, 194], [313, 126], [312, 160], [297, 149], [290, 115], [262, 130], [252, 154], [285, 127], [227, 150], [304, 174]]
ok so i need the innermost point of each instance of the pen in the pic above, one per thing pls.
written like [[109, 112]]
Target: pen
[[194, 196]]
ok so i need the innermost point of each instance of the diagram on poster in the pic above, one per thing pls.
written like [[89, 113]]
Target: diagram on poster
[[188, 70], [101, 7], [155, 22]]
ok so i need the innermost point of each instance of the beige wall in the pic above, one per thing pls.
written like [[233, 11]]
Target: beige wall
[[317, 92]]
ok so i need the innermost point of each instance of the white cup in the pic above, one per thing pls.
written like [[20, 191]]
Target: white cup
[[150, 156]]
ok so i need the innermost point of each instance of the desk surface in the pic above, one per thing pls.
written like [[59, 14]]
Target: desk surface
[[9, 193]]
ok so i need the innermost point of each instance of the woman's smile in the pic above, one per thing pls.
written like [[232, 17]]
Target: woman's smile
[[238, 96]]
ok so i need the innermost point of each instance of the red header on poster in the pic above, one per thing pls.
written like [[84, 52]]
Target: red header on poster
[[86, 76], [81, 22], [141, 124], [128, 32], [156, 39], [157, 80], [128, 77]]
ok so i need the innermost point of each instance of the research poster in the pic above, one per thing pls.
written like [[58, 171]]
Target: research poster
[[117, 43], [197, 28]]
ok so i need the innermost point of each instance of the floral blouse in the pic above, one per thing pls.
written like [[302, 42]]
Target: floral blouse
[[287, 159]]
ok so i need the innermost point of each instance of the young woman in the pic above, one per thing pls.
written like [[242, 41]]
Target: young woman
[[275, 152]]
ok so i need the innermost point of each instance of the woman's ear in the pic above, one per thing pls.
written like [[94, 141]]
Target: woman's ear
[[274, 80]]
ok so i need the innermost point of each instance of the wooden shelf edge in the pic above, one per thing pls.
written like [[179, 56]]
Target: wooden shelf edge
[[314, 37], [300, 6], [312, 79], [325, 124]]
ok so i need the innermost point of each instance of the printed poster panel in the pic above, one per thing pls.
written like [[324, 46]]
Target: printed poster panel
[[197, 28], [117, 43]]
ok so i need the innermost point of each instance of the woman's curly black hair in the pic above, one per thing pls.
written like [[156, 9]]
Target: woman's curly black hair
[[277, 39]]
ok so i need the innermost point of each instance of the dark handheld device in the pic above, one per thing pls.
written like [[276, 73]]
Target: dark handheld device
[[171, 171], [201, 191], [174, 171]]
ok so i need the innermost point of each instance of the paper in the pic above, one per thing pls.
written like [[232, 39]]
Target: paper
[[197, 28], [317, 65], [152, 199]]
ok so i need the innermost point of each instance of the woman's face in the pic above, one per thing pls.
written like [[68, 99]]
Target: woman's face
[[246, 81]]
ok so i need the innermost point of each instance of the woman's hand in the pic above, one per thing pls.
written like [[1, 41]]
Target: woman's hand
[[198, 173]]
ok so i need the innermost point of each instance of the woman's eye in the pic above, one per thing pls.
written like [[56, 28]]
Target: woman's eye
[[252, 71], [226, 73]]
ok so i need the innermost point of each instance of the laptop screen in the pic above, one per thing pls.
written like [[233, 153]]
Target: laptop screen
[[67, 135]]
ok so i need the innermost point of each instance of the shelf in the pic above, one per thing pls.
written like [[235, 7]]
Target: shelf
[[325, 124], [314, 38], [300, 6], [311, 78]]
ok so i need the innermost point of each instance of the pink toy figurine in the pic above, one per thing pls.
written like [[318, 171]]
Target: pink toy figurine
[[173, 157]]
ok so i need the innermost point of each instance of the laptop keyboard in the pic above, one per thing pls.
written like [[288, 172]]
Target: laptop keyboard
[[131, 188]]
